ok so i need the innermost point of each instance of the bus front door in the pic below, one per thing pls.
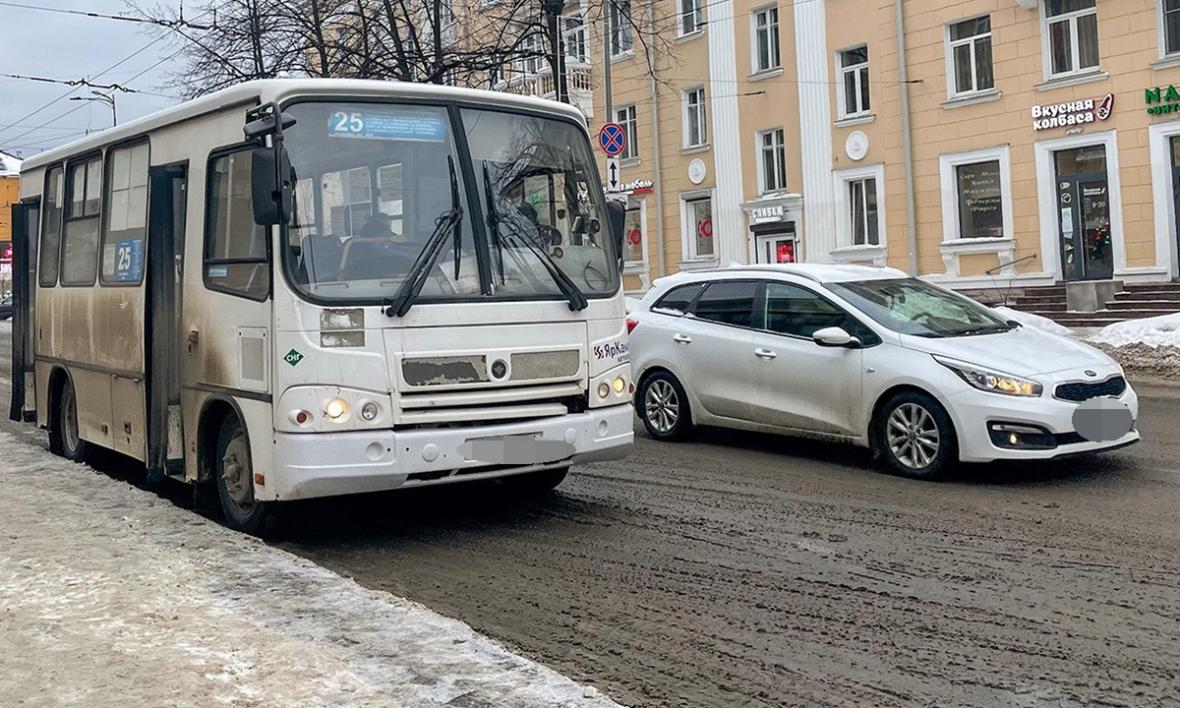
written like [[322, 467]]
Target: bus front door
[[25, 220], [165, 273]]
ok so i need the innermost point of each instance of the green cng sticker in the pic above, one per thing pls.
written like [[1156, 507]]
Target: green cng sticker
[[293, 357]]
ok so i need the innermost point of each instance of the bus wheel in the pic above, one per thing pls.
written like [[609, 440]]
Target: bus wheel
[[234, 475], [64, 436], [536, 483]]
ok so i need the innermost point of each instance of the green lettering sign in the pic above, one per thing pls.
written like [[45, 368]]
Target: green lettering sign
[[1172, 94], [1151, 95]]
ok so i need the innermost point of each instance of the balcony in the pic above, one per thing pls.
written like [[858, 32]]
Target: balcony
[[543, 85]]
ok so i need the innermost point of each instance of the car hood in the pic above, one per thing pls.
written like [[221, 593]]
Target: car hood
[[1024, 351]]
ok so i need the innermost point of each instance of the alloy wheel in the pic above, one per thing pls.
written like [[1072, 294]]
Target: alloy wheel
[[913, 437], [662, 406]]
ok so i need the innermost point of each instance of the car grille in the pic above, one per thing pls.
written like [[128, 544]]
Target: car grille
[[1083, 391]]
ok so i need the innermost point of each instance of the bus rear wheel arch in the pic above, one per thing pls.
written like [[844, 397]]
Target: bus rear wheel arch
[[228, 468]]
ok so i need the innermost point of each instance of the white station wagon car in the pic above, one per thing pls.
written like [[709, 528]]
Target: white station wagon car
[[870, 356]]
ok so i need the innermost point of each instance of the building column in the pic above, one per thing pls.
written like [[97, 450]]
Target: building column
[[815, 127], [729, 223]]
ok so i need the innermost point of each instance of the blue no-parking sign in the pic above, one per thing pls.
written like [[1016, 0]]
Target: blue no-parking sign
[[612, 139]]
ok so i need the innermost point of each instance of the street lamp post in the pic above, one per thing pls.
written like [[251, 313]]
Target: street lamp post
[[553, 10], [105, 98]]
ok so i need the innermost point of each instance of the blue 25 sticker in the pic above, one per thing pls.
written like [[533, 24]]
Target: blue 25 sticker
[[128, 260]]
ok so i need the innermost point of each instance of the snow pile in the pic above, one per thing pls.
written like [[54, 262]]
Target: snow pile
[[1163, 331], [1028, 319]]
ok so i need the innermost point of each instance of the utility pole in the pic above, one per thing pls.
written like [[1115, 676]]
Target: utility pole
[[608, 7], [553, 10]]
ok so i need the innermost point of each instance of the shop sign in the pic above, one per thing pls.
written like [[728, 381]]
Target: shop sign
[[637, 186], [1071, 113], [1161, 100], [766, 214]]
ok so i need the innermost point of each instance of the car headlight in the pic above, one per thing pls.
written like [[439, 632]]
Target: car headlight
[[993, 381]]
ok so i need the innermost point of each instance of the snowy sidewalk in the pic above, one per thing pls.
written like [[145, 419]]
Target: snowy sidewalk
[[110, 595]]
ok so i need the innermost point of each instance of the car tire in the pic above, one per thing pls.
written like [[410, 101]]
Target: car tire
[[233, 473], [535, 484], [914, 435], [65, 436], [663, 407]]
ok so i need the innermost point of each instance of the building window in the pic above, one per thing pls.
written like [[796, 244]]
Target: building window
[[625, 117], [532, 51], [766, 44], [969, 52], [854, 80], [1072, 30], [633, 234], [981, 213], [698, 228], [694, 117], [573, 28], [79, 251], [692, 16], [862, 211], [622, 39], [1171, 26], [773, 160], [126, 215]]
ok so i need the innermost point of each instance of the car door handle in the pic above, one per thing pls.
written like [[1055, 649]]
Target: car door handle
[[765, 353], [681, 339]]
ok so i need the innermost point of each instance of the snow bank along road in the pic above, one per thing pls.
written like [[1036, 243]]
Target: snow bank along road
[[743, 570]]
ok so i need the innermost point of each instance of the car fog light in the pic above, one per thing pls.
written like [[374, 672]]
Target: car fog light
[[603, 390], [369, 411], [336, 409], [619, 384]]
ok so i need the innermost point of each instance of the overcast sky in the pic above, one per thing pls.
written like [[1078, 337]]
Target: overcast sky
[[63, 46]]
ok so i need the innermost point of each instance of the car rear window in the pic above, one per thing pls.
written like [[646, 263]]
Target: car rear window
[[677, 300], [727, 301]]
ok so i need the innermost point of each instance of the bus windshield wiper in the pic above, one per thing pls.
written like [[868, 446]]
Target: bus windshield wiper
[[420, 271], [493, 219]]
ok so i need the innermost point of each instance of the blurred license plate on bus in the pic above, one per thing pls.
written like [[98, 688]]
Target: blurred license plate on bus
[[516, 450]]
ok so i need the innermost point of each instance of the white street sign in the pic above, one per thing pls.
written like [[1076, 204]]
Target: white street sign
[[614, 179]]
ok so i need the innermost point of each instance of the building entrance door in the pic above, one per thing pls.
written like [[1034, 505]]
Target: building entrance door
[[775, 243], [1083, 203], [1175, 142]]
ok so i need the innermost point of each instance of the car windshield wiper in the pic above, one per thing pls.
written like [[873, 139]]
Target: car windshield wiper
[[985, 329], [515, 238], [416, 277]]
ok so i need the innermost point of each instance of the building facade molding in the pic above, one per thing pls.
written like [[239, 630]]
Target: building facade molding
[[815, 128], [728, 221]]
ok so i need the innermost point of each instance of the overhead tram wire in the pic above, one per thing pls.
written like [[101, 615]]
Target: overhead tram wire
[[179, 22]]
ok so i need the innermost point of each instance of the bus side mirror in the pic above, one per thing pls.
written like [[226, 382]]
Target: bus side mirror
[[272, 190], [616, 216]]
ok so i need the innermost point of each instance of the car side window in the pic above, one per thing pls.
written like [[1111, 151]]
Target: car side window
[[677, 300], [790, 309], [728, 302]]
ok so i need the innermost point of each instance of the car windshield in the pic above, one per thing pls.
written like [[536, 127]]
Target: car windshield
[[545, 203], [372, 181], [911, 306]]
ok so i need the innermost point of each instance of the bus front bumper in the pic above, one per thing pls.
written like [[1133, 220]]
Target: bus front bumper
[[308, 465]]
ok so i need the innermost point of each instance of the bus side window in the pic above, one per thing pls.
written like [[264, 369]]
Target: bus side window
[[126, 215], [79, 251], [50, 249], [236, 258]]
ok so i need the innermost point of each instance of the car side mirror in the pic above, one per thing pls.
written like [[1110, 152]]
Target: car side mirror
[[834, 337], [272, 190]]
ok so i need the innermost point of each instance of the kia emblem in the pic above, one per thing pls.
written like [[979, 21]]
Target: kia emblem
[[1091, 373]]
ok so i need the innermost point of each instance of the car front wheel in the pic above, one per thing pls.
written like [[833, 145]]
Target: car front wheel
[[914, 436], [663, 407]]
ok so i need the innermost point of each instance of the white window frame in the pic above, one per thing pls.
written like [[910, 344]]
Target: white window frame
[[948, 168], [952, 44], [688, 236], [580, 29], [630, 125], [639, 266], [623, 29], [531, 65], [844, 245], [695, 11], [781, 158], [842, 109], [774, 39], [686, 109], [1163, 31], [1046, 41]]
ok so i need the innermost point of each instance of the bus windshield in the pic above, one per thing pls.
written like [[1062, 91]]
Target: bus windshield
[[372, 181]]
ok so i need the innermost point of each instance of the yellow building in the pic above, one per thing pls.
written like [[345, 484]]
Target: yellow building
[[9, 194], [1027, 142]]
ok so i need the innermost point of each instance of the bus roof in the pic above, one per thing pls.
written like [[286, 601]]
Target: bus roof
[[267, 90]]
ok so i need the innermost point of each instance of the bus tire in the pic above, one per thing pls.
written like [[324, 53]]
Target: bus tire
[[65, 436], [233, 473], [533, 484]]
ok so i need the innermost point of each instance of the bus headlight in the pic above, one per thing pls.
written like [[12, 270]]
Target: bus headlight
[[620, 384], [603, 390], [369, 411], [336, 410]]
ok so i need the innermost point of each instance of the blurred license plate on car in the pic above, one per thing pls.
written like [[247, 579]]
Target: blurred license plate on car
[[516, 450]]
